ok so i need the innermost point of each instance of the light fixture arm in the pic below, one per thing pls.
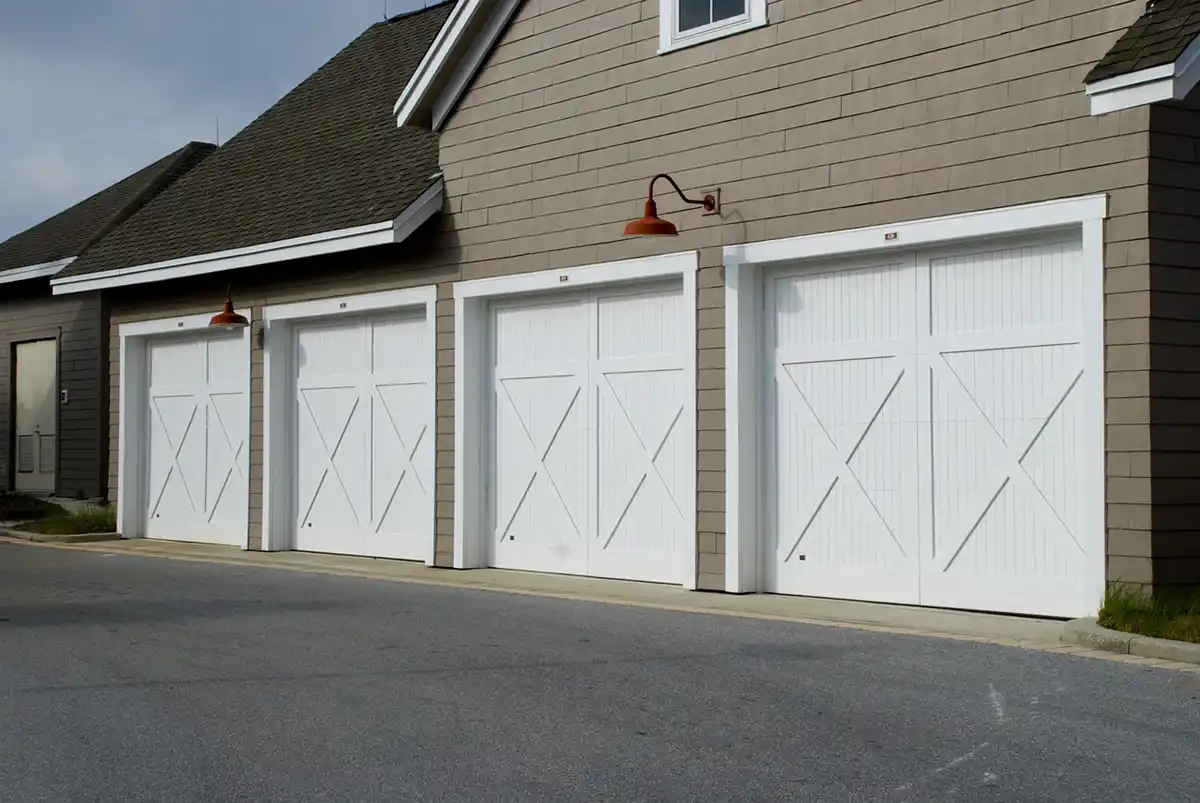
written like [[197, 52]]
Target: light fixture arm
[[708, 202]]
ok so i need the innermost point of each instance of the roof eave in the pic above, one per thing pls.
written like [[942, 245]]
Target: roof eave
[[1173, 81], [426, 205], [44, 270], [451, 63]]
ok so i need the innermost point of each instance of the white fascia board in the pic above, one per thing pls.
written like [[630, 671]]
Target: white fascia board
[[1173, 81], [437, 59], [372, 234], [41, 271], [481, 44]]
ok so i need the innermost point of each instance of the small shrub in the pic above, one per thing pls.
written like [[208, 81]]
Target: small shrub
[[91, 520], [1169, 615], [18, 507]]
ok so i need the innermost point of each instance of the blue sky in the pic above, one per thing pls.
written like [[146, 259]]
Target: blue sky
[[92, 90]]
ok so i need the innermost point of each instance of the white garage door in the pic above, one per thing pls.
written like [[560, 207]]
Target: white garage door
[[589, 458], [925, 427], [364, 436], [199, 460]]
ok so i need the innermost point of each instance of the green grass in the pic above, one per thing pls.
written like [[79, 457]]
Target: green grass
[[92, 520], [18, 507], [1170, 616]]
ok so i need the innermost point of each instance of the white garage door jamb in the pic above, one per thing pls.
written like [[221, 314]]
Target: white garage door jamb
[[278, 450], [744, 266], [133, 448], [470, 377]]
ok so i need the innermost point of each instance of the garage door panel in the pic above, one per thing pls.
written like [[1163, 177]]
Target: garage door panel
[[365, 457], [226, 444], [540, 493], [1005, 289], [198, 463], [845, 502], [988, 503], [590, 458], [640, 460], [842, 432], [328, 462], [638, 324], [842, 307], [399, 464]]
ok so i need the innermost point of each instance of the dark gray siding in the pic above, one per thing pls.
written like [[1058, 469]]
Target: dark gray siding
[[1165, 549], [29, 312]]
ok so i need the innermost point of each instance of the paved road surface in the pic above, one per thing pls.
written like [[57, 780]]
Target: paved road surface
[[136, 679]]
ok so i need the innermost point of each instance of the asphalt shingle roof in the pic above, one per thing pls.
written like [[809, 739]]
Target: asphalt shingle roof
[[327, 156], [70, 232], [1158, 37]]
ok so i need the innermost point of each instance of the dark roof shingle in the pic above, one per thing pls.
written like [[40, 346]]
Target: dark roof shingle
[[72, 231], [327, 156], [1158, 37]]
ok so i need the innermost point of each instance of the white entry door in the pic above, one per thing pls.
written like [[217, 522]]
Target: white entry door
[[199, 457], [364, 436], [36, 419], [924, 428], [589, 458]]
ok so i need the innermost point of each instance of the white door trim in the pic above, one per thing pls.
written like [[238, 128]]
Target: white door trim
[[133, 423], [470, 378], [279, 449], [744, 300]]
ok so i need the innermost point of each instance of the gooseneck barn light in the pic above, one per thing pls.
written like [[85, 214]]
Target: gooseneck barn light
[[651, 225], [227, 318]]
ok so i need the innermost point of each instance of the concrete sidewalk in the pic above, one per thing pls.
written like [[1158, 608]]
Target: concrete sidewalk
[[1010, 630]]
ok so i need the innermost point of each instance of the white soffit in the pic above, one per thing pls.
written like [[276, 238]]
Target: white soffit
[[1173, 81], [424, 207], [41, 271], [458, 52]]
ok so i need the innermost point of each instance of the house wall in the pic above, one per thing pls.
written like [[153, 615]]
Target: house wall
[[1164, 476], [839, 114], [29, 312], [367, 271]]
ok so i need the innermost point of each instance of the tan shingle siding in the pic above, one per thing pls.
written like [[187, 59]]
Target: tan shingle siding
[[837, 115]]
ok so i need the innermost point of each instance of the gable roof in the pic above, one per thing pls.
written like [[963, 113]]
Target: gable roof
[[454, 58], [322, 170], [41, 250], [1156, 59]]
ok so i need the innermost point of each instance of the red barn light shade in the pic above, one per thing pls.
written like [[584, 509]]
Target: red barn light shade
[[227, 318], [651, 225]]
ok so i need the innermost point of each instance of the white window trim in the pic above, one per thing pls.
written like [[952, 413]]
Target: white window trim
[[470, 347], [1173, 81], [40, 271], [744, 313], [279, 452], [133, 419], [670, 38], [386, 231]]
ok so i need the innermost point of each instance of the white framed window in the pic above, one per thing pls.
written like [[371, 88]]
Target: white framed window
[[687, 22]]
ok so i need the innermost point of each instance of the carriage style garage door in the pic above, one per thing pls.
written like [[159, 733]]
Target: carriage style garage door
[[198, 415], [363, 435], [588, 457], [924, 428]]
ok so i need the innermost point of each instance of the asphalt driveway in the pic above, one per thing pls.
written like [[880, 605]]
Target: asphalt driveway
[[140, 679]]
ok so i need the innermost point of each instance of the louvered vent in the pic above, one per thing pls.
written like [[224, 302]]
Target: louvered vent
[[46, 458], [25, 454]]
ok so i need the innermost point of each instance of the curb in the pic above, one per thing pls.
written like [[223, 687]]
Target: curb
[[1086, 633], [43, 538]]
